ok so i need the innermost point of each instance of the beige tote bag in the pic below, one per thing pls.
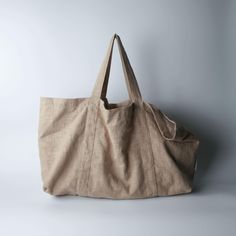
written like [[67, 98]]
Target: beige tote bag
[[89, 147]]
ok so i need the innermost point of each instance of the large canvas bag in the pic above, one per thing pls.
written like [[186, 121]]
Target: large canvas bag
[[89, 147]]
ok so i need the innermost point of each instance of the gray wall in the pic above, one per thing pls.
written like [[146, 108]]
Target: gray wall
[[183, 54]]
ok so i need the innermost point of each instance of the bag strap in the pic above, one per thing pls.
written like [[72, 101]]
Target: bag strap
[[100, 88]]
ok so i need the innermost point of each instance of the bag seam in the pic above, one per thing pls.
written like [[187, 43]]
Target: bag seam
[[153, 160], [92, 151], [81, 167]]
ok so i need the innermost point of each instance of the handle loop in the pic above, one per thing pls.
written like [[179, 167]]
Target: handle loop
[[100, 88]]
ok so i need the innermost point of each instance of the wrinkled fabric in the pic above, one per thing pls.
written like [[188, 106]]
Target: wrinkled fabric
[[89, 147]]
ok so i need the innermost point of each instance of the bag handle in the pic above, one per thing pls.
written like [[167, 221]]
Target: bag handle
[[100, 88]]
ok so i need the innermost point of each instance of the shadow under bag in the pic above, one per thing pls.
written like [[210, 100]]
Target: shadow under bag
[[89, 147]]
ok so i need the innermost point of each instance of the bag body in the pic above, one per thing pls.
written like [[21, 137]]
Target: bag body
[[89, 147]]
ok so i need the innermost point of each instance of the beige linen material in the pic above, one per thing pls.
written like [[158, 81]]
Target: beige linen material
[[89, 147]]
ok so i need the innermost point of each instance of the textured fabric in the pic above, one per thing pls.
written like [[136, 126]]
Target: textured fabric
[[89, 147]]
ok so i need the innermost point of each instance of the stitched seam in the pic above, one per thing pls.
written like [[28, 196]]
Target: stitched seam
[[153, 161], [81, 166], [95, 129]]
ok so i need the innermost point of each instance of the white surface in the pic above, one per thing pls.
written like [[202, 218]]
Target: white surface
[[183, 53]]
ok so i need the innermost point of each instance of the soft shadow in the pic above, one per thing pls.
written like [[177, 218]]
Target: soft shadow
[[211, 144]]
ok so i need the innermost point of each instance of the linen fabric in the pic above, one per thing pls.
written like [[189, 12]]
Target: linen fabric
[[90, 147]]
